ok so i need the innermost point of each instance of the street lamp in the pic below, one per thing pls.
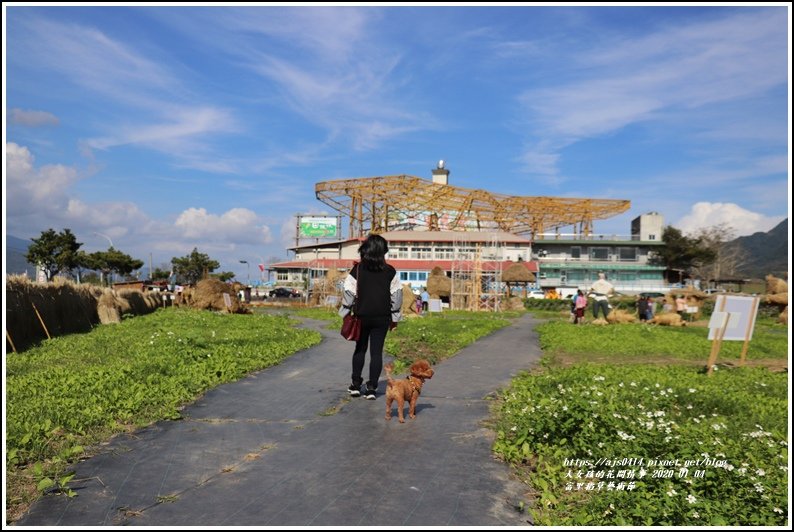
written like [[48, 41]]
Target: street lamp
[[248, 268], [106, 236], [110, 276]]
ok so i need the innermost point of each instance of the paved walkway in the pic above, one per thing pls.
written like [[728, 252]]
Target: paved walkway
[[286, 447]]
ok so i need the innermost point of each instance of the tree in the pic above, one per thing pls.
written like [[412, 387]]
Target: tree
[[728, 259], [194, 267], [54, 252], [113, 260], [224, 276], [683, 253], [161, 273]]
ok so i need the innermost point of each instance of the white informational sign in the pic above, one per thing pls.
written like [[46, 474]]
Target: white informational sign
[[434, 305], [741, 311], [227, 299]]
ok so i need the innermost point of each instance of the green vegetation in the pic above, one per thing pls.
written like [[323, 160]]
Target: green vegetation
[[572, 430], [640, 341], [77, 390]]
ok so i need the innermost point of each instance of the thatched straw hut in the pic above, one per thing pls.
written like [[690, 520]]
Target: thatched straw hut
[[517, 274]]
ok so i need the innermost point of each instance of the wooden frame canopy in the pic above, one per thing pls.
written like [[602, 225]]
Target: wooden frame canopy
[[388, 203]]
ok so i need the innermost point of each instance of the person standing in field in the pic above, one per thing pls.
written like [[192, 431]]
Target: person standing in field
[[600, 291], [375, 288]]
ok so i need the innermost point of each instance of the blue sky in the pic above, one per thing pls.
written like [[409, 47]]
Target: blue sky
[[168, 128]]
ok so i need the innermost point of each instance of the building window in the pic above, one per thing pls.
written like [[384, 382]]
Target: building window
[[599, 253], [444, 254], [627, 276], [466, 253], [399, 253], [576, 275], [421, 276], [651, 237], [282, 276], [628, 254], [403, 276], [576, 252], [421, 253]]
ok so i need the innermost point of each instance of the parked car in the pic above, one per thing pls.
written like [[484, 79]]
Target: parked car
[[536, 294], [283, 292]]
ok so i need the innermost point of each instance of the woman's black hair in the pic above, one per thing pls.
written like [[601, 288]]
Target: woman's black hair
[[373, 253]]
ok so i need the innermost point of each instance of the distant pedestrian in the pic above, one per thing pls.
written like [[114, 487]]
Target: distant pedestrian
[[579, 304], [642, 308], [651, 306], [680, 305], [425, 296]]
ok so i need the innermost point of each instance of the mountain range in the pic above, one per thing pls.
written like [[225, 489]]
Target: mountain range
[[15, 257], [766, 253]]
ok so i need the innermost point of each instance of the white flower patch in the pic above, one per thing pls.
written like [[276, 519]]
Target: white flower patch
[[672, 492], [691, 499], [598, 378], [692, 390]]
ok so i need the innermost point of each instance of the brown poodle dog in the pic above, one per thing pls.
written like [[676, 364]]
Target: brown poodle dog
[[406, 390]]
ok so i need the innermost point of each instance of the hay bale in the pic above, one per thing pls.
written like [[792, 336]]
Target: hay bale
[[518, 272], [775, 285], [409, 301], [671, 319], [109, 308], [438, 284], [208, 295], [621, 316], [783, 318], [599, 321], [777, 299], [66, 307]]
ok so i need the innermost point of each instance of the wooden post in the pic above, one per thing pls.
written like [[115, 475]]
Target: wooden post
[[743, 356], [717, 342], [10, 341], [42, 321]]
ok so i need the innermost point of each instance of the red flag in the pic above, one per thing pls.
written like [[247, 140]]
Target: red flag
[[261, 267]]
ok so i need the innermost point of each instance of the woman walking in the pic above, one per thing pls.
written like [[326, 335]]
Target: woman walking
[[373, 291]]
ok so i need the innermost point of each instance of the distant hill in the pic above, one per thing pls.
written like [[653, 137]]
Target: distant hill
[[15, 256], [766, 252]]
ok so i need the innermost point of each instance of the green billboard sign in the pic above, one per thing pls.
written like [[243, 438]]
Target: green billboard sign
[[318, 227]]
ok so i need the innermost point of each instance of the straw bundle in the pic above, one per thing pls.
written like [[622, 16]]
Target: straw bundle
[[438, 284], [621, 316], [208, 295], [775, 285], [409, 301], [672, 319]]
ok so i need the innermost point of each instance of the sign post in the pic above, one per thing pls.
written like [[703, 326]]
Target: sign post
[[733, 319]]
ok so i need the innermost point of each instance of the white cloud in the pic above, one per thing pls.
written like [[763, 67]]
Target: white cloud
[[704, 214], [29, 188], [234, 226], [675, 69], [30, 118]]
